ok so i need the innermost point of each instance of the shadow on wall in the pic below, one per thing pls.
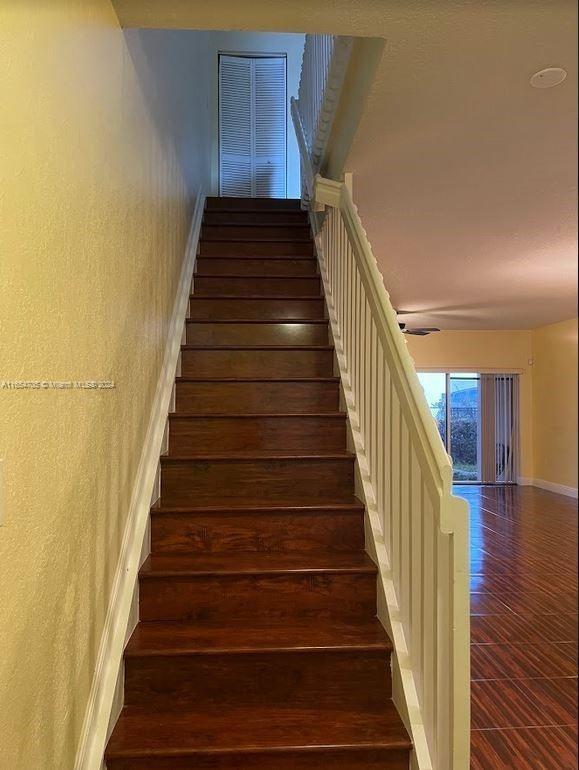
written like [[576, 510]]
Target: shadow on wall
[[157, 54]]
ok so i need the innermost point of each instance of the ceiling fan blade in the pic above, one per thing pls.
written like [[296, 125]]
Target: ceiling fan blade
[[420, 331]]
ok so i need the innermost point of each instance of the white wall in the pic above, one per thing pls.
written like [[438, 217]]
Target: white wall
[[258, 42]]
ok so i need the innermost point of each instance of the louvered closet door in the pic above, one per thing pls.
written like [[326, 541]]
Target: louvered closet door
[[252, 126]]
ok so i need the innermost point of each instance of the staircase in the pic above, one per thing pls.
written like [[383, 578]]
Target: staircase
[[257, 647]]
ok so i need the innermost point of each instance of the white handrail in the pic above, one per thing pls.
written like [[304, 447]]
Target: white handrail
[[419, 530]]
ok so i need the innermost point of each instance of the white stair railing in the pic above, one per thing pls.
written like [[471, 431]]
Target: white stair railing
[[324, 66], [419, 530]]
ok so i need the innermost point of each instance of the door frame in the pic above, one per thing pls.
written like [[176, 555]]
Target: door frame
[[249, 55]]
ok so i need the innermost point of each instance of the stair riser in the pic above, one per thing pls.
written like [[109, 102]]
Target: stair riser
[[261, 204], [257, 363], [292, 434], [216, 217], [257, 334], [256, 249], [239, 286], [247, 233], [291, 595], [259, 309], [298, 680], [248, 266], [194, 482], [321, 759], [257, 397], [267, 531]]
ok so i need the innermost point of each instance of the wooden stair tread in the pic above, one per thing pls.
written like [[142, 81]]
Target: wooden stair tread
[[255, 563], [258, 224], [278, 297], [257, 275], [285, 348], [253, 455], [189, 378], [237, 636], [253, 415], [206, 238], [257, 505], [265, 257], [318, 321], [140, 732]]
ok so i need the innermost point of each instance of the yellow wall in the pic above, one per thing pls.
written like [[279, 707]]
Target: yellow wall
[[555, 403], [95, 197], [548, 387], [475, 351]]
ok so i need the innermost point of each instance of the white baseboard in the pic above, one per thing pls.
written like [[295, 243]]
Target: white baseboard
[[524, 481], [560, 489], [109, 660]]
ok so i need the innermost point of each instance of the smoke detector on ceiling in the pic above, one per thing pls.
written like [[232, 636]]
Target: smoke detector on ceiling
[[548, 78]]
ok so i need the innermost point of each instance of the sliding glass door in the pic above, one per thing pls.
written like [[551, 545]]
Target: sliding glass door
[[477, 417], [464, 435]]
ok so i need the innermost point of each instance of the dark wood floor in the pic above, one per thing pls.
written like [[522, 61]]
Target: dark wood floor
[[524, 628]]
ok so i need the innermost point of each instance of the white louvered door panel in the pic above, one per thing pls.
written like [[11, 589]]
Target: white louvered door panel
[[235, 120], [270, 128], [252, 126]]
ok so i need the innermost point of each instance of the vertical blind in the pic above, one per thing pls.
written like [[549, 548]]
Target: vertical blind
[[252, 126], [499, 423]]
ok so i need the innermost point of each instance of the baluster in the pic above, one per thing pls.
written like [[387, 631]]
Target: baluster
[[380, 437], [387, 464], [416, 569], [367, 378], [405, 484], [444, 658], [395, 499], [429, 637]]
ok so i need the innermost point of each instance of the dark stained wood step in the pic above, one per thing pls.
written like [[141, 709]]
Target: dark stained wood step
[[294, 665], [266, 266], [257, 528], [256, 217], [239, 738], [254, 332], [259, 361], [215, 588], [252, 204], [273, 477], [256, 563], [249, 232], [245, 432], [314, 679], [300, 759], [251, 636], [261, 308], [257, 285], [257, 395], [226, 248]]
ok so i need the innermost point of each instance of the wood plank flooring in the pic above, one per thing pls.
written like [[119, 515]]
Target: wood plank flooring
[[523, 628]]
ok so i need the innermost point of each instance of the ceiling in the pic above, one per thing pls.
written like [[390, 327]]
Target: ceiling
[[464, 175]]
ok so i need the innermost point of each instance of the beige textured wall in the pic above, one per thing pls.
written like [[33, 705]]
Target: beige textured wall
[[555, 403], [471, 351], [94, 207]]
